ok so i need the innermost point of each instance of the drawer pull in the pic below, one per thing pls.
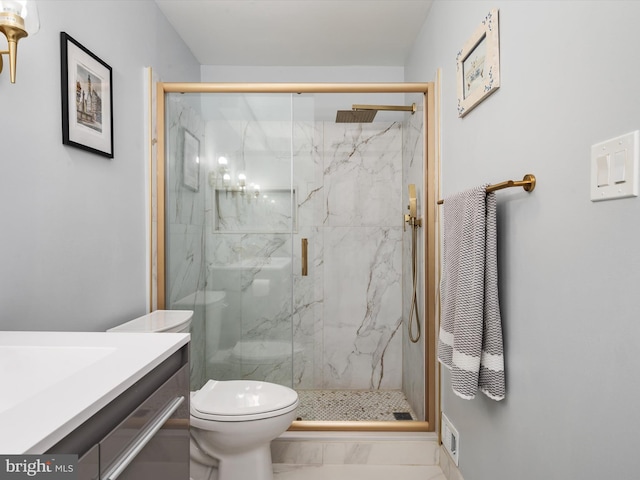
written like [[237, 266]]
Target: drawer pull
[[142, 439]]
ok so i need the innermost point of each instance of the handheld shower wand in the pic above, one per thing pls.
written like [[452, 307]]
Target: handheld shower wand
[[412, 219]]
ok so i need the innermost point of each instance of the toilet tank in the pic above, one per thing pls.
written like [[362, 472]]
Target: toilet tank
[[206, 329], [159, 321], [209, 306]]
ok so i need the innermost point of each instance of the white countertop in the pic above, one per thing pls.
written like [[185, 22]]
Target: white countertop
[[51, 382]]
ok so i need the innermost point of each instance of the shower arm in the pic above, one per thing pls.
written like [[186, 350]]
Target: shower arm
[[393, 108]]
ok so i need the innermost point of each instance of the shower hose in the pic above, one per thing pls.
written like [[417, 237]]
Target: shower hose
[[413, 313]]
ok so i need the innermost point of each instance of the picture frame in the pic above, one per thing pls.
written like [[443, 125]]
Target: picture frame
[[191, 161], [87, 98], [478, 65]]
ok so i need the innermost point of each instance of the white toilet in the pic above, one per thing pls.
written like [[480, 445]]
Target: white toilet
[[232, 422]]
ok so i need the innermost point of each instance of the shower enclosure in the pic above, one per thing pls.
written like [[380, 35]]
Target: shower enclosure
[[284, 231]]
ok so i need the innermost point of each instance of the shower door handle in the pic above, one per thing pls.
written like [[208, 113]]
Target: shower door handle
[[305, 243]]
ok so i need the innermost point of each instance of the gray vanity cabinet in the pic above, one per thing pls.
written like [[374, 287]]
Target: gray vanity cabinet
[[143, 434], [89, 464]]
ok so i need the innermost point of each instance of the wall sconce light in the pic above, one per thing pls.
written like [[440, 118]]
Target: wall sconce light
[[18, 19], [222, 167]]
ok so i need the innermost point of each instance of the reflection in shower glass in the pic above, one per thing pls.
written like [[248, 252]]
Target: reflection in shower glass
[[229, 243]]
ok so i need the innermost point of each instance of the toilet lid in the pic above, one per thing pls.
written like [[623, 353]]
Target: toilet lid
[[240, 400]]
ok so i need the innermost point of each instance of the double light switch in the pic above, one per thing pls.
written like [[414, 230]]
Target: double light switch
[[614, 168]]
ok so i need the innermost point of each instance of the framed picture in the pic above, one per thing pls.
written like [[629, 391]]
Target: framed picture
[[478, 65], [191, 161], [87, 99]]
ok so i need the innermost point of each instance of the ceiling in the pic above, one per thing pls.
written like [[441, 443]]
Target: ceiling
[[298, 32]]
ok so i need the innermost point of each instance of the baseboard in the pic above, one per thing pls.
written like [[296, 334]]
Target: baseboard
[[448, 467]]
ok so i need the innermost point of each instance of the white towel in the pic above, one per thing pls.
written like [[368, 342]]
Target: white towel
[[470, 341]]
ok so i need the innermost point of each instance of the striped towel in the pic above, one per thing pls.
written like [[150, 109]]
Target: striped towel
[[470, 341]]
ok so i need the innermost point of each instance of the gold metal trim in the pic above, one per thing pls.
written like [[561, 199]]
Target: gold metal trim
[[160, 198], [350, 426], [152, 184], [390, 108], [431, 257], [432, 188], [432, 251], [305, 269], [528, 183], [12, 26], [296, 87]]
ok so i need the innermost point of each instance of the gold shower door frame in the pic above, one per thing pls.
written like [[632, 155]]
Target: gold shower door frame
[[430, 224]]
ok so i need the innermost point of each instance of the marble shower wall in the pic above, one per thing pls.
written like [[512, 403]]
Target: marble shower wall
[[347, 311], [413, 361], [185, 241], [350, 194], [248, 252]]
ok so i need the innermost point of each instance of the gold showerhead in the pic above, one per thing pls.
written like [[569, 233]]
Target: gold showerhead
[[355, 116], [366, 113]]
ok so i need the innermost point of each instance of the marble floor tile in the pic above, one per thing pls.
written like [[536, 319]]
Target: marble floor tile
[[356, 472]]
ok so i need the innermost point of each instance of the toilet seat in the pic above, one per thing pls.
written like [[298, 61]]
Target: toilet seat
[[242, 400]]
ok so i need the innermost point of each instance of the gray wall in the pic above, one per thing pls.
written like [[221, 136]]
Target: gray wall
[[73, 249], [568, 268]]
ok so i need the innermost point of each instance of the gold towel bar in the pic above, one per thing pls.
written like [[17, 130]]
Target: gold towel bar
[[528, 183]]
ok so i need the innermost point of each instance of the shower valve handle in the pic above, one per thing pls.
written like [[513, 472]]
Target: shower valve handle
[[413, 221]]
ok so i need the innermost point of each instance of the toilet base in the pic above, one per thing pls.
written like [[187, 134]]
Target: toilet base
[[197, 471], [254, 464]]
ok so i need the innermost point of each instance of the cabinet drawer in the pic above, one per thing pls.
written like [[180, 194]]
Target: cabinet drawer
[[162, 421], [89, 465]]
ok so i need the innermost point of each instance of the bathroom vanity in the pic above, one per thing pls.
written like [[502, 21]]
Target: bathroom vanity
[[120, 401]]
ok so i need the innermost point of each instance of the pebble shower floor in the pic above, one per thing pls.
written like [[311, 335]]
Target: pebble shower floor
[[352, 405]]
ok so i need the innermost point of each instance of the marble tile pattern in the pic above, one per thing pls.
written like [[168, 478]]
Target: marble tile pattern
[[357, 472], [349, 198], [413, 172], [342, 458], [346, 451], [349, 311], [362, 309], [185, 217], [247, 239]]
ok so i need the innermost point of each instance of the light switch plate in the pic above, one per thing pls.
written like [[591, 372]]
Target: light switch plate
[[623, 171]]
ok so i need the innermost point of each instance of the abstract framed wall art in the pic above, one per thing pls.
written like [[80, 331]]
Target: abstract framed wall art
[[87, 99], [478, 65]]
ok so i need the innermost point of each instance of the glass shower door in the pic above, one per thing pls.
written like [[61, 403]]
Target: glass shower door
[[229, 234]]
